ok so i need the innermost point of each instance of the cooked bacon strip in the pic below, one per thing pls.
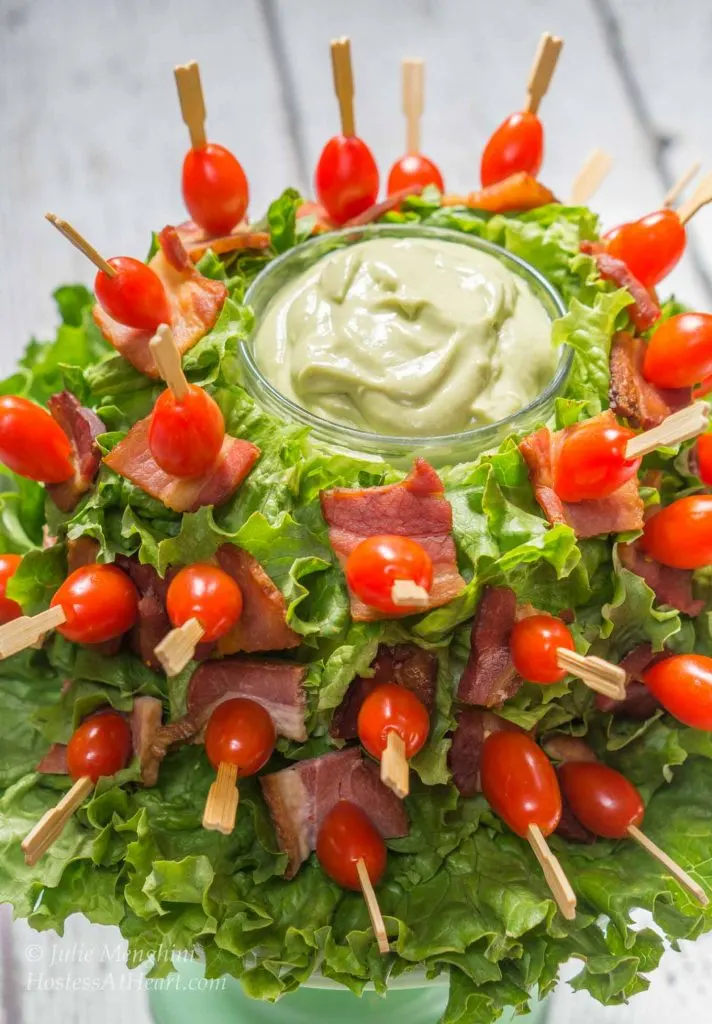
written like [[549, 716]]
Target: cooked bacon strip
[[80, 552], [377, 210], [639, 701], [132, 459], [630, 394], [489, 677], [465, 755], [152, 623], [671, 586], [406, 664], [323, 222], [197, 241], [301, 796], [518, 193], [145, 720], [82, 427], [620, 511], [644, 311], [415, 508], [262, 625], [195, 302], [277, 685]]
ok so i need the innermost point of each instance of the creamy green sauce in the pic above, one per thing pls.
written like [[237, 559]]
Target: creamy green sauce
[[407, 336]]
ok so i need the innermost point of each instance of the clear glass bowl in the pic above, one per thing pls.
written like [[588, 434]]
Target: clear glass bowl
[[441, 450]]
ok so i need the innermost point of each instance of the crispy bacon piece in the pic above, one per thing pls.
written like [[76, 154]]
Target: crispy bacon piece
[[196, 241], [464, 758], [415, 508], [277, 685], [301, 796], [620, 511], [645, 310], [406, 664], [671, 586], [263, 623], [132, 459], [517, 193], [195, 303], [82, 427], [152, 623], [81, 552], [489, 677], [639, 701], [630, 394], [377, 210], [323, 222], [55, 761]]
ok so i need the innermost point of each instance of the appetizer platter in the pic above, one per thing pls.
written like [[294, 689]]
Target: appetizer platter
[[355, 580]]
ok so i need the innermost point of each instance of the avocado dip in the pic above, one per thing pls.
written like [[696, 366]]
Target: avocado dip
[[414, 337]]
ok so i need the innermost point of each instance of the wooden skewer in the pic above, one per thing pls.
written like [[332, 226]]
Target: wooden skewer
[[374, 911], [700, 197], [413, 82], [79, 242], [675, 870], [192, 102], [394, 766], [221, 806], [51, 825], [344, 83], [681, 184], [406, 593], [591, 176], [543, 68], [15, 636], [599, 675], [553, 873], [168, 360], [177, 647], [680, 426]]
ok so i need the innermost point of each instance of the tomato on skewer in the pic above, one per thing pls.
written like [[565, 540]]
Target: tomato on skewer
[[680, 535], [215, 188], [99, 603], [32, 443], [519, 783], [592, 462], [602, 799], [516, 145], [534, 643], [9, 609], [346, 836], [206, 593], [346, 179], [134, 296], [414, 170], [704, 459], [679, 353], [393, 708], [650, 247], [100, 746], [240, 732], [683, 685], [377, 562], [186, 434]]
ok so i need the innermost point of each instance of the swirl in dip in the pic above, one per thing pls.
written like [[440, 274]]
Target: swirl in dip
[[413, 337]]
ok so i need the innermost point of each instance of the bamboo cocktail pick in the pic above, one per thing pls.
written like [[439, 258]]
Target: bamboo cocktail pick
[[395, 772], [192, 102], [681, 184], [542, 71], [406, 593], [374, 911], [413, 87], [672, 866], [680, 426], [26, 631], [220, 812], [599, 675], [553, 873], [590, 178], [168, 360], [51, 825], [700, 197], [79, 242], [344, 83]]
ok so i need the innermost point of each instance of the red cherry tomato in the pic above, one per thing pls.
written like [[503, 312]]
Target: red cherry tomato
[[346, 836], [650, 247], [242, 733], [185, 435], [100, 746], [679, 353], [100, 603], [393, 708], [533, 645], [346, 179], [414, 169], [135, 296], [32, 443], [517, 145], [592, 462], [206, 593], [9, 609], [602, 799], [377, 562], [704, 459], [680, 535], [519, 782], [215, 189], [683, 685]]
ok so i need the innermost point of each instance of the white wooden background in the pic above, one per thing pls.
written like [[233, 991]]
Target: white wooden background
[[90, 128]]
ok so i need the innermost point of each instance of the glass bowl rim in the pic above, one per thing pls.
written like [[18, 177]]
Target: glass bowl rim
[[355, 438]]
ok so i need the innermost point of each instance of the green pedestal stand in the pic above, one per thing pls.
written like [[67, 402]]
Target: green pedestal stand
[[186, 997]]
